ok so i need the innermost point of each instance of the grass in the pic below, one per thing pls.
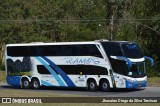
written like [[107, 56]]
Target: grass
[[31, 93], [85, 104], [153, 81], [2, 76]]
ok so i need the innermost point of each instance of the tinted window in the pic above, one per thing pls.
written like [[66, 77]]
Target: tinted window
[[54, 50], [89, 50], [119, 66], [112, 49], [43, 70], [131, 51], [76, 69]]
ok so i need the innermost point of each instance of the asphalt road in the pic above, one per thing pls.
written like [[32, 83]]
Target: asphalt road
[[147, 92]]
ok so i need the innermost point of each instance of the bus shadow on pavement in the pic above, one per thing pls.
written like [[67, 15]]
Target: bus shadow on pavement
[[43, 88]]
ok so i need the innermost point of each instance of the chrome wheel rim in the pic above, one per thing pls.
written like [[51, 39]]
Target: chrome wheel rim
[[35, 84], [26, 83], [105, 85], [92, 85]]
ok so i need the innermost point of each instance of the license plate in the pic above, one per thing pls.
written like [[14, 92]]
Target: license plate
[[139, 85]]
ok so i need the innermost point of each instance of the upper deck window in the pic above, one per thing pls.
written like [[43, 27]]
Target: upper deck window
[[54, 50], [128, 50], [131, 50], [112, 49]]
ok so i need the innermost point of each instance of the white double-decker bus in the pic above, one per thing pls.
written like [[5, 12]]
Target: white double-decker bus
[[96, 64]]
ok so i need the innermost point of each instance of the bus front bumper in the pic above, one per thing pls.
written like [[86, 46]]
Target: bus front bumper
[[136, 84]]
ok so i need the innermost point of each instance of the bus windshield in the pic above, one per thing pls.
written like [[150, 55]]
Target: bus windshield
[[137, 70], [127, 50], [131, 50]]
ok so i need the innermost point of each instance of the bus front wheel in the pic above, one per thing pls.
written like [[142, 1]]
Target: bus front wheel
[[92, 85], [25, 83], [35, 84]]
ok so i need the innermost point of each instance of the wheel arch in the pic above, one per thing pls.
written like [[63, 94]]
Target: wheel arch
[[25, 77], [102, 79], [35, 77]]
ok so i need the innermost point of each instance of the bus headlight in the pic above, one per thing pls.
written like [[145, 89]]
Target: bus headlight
[[130, 80]]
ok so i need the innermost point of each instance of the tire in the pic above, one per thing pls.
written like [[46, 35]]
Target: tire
[[25, 84], [35, 84], [92, 85], [105, 87]]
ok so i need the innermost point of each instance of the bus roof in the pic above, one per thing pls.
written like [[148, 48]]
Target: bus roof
[[64, 43], [53, 43]]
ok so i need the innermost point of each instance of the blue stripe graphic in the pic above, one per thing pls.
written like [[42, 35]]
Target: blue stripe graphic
[[60, 71], [54, 74], [46, 83], [14, 80]]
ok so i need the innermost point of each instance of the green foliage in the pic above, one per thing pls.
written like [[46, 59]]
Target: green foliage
[[24, 21], [2, 67], [2, 76], [152, 73]]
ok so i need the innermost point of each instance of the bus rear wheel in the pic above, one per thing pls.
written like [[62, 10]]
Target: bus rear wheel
[[25, 83], [35, 84], [92, 85], [104, 85]]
